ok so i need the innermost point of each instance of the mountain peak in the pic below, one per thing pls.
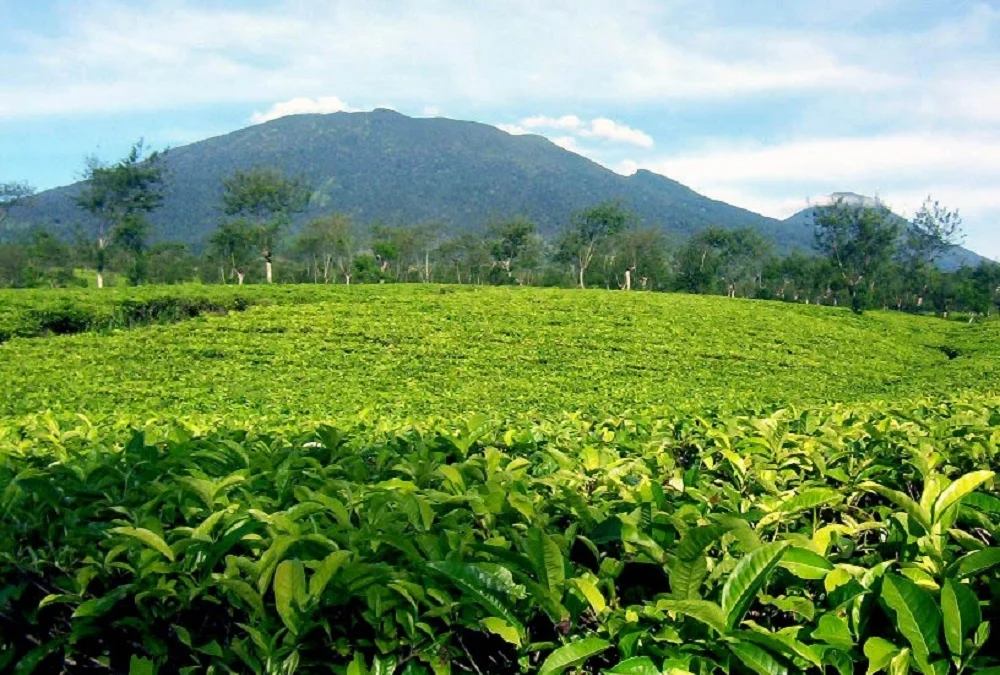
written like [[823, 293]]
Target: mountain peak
[[848, 198]]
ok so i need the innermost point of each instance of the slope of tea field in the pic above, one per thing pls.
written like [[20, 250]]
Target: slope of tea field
[[409, 351]]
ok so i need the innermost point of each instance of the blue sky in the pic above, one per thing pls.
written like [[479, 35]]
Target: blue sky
[[765, 104]]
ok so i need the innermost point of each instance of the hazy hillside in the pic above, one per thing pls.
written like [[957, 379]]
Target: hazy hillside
[[957, 257], [384, 166]]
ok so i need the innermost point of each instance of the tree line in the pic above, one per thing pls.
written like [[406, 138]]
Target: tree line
[[866, 257]]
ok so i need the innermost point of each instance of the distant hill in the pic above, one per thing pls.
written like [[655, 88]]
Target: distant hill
[[954, 259], [387, 167], [382, 166]]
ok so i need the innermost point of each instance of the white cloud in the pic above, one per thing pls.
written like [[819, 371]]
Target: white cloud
[[601, 128], [543, 122], [619, 133], [567, 143], [513, 129], [300, 106], [960, 170], [114, 55], [431, 111]]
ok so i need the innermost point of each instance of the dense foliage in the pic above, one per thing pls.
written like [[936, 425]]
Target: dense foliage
[[837, 539], [308, 352]]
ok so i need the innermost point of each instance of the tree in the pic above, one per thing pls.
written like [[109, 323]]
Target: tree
[[509, 240], [934, 231], [266, 201], [120, 196], [859, 241], [234, 244], [587, 230], [13, 194]]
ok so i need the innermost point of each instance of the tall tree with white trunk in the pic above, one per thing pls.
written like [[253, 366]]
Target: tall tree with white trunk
[[587, 230], [267, 200], [121, 195]]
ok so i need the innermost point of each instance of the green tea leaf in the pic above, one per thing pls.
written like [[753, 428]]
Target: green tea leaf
[[147, 537], [502, 629], [749, 576], [961, 613], [960, 488], [880, 653], [571, 655], [289, 590], [805, 564], [704, 611], [917, 616], [757, 659]]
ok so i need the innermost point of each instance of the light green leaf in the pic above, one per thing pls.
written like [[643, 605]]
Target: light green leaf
[[321, 577], [903, 501], [591, 592], [757, 659], [704, 611], [806, 564], [975, 563], [687, 576], [289, 591], [917, 616], [960, 609], [572, 655], [833, 630], [900, 664], [749, 576], [639, 665], [147, 537], [880, 653], [809, 498], [960, 488], [501, 628]]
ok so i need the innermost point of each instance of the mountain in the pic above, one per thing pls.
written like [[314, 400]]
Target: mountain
[[951, 261], [382, 166]]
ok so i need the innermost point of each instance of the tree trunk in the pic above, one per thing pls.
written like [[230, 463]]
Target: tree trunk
[[347, 279], [582, 270], [100, 279], [427, 267], [268, 271], [239, 277], [628, 280]]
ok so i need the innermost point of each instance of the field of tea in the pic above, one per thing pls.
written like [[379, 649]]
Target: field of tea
[[403, 479]]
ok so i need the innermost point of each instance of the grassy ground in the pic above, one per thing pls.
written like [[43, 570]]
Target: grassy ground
[[416, 351]]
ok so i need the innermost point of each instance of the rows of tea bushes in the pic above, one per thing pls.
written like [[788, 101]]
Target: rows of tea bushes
[[304, 353], [34, 313], [844, 539]]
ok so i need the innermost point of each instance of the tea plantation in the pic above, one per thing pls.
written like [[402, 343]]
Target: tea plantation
[[403, 479]]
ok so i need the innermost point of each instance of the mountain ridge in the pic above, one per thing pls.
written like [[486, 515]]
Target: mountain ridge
[[383, 166]]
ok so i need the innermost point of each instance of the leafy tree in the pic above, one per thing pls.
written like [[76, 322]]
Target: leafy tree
[[509, 240], [234, 244], [699, 261], [266, 201], [120, 196], [859, 241], [13, 265], [643, 259], [466, 258], [587, 230], [326, 240], [13, 194], [935, 230], [170, 263]]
